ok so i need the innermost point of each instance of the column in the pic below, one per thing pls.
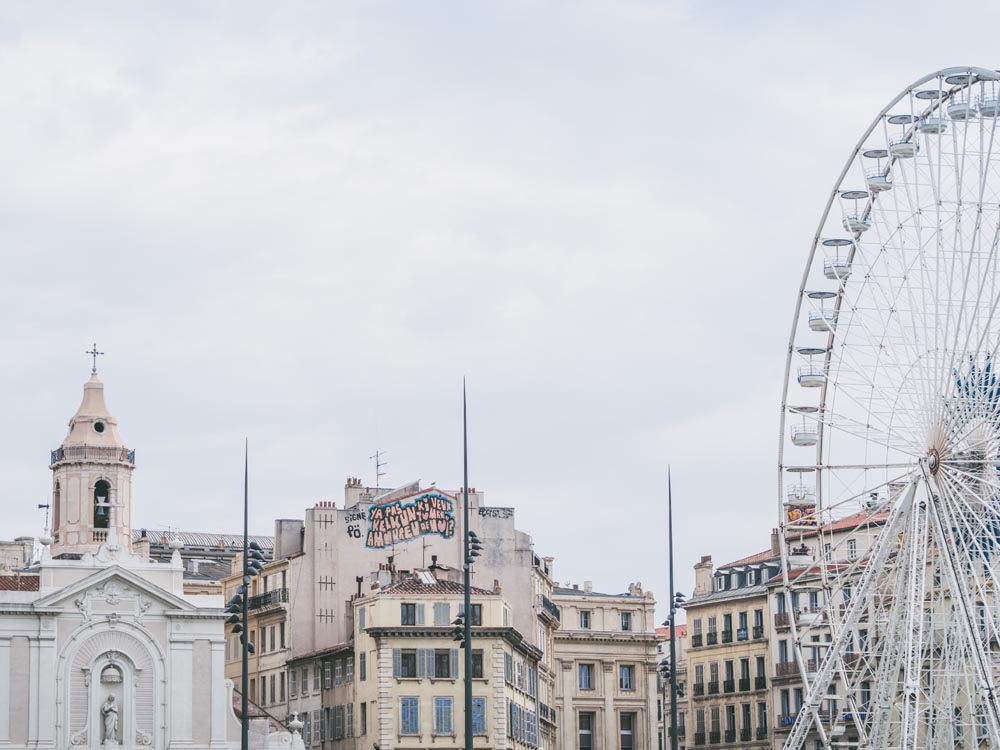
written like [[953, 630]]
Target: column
[[45, 683], [610, 718], [219, 694], [5, 680], [179, 692]]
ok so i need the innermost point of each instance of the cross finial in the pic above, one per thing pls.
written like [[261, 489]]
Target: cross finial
[[95, 354]]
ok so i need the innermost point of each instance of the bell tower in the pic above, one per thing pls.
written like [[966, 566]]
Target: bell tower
[[92, 480]]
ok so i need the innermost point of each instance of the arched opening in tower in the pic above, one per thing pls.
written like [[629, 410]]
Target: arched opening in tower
[[102, 504]]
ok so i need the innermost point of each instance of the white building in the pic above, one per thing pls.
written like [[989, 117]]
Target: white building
[[104, 649]]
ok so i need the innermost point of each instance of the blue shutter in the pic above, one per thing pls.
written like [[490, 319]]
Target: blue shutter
[[454, 664], [479, 716], [422, 663], [420, 614], [397, 662]]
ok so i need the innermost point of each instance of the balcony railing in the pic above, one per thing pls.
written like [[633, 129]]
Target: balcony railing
[[99, 535], [745, 734], [786, 669], [713, 638], [730, 735], [696, 640], [268, 599], [681, 731], [727, 636], [699, 688], [744, 684], [713, 687], [699, 738], [546, 713], [729, 686], [786, 720], [758, 632], [742, 634], [550, 608], [759, 682], [782, 619], [714, 738], [761, 733], [92, 453]]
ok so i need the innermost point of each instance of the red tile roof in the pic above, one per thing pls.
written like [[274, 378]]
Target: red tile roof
[[19, 582], [664, 633], [755, 558]]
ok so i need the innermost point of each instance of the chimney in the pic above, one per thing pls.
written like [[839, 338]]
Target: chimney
[[703, 575], [576, 587], [775, 543], [141, 547], [588, 586], [496, 586]]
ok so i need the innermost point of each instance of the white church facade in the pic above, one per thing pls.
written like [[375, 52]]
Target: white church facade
[[108, 653]]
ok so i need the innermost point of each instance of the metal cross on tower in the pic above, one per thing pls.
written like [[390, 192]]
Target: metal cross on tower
[[95, 354]]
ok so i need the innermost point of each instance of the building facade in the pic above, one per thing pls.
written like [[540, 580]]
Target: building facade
[[606, 659]]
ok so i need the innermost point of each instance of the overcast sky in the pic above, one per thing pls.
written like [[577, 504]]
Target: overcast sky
[[305, 222]]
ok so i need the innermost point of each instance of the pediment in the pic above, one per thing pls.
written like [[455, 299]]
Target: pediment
[[114, 590]]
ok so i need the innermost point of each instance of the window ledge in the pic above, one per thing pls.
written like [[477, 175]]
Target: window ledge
[[443, 679]]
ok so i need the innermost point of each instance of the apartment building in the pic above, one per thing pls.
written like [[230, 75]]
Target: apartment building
[[606, 658], [409, 691], [663, 726], [728, 656]]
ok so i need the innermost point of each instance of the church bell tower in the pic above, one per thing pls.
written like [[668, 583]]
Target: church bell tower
[[92, 480]]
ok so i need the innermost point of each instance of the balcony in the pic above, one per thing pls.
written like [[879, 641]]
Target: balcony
[[786, 669], [699, 688], [268, 599], [745, 735], [729, 686], [727, 636], [761, 733], [550, 609], [696, 640], [713, 688], [546, 713], [99, 535], [742, 634], [92, 453], [744, 684], [782, 619], [760, 682], [713, 638], [786, 720], [699, 738], [758, 632], [730, 735], [681, 732], [714, 738]]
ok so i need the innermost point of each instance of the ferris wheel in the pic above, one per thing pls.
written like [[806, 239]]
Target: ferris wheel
[[888, 604]]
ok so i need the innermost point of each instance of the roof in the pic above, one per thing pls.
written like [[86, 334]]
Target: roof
[[328, 651], [664, 633], [201, 538], [18, 582], [415, 586], [877, 518], [757, 557], [563, 591]]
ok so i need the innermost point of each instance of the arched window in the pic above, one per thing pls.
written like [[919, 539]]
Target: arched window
[[102, 504]]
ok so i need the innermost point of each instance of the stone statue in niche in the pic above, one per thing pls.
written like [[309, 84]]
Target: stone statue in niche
[[110, 713]]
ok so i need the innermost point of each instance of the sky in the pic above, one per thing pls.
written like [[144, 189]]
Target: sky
[[304, 223]]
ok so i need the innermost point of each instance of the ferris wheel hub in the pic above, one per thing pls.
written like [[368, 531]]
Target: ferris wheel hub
[[933, 460]]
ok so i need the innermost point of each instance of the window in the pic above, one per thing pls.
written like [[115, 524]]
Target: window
[[406, 664], [584, 619], [626, 676], [281, 687], [443, 716], [409, 716], [586, 731], [477, 664], [338, 723], [102, 494], [263, 691], [349, 670], [362, 667], [273, 648], [506, 617], [361, 618], [761, 717], [306, 730], [783, 651], [350, 720], [626, 620], [852, 549], [305, 681], [626, 723], [316, 678], [479, 716], [408, 614], [477, 614], [442, 613], [442, 664], [253, 689], [326, 674], [586, 677], [281, 633], [364, 718], [293, 683], [338, 673]]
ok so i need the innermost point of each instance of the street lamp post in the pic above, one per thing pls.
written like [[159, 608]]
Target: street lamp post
[[467, 577], [668, 667]]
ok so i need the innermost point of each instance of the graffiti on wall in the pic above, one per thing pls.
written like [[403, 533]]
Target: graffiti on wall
[[428, 513]]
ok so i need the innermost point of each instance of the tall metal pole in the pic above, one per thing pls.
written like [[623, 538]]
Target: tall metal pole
[[467, 576], [673, 611], [244, 718]]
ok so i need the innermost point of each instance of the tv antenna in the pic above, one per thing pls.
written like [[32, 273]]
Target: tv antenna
[[379, 463]]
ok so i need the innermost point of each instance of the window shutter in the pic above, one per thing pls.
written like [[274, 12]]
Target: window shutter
[[454, 663], [397, 662], [422, 663], [420, 614]]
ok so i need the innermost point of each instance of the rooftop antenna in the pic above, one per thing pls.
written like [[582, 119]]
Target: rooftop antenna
[[379, 463]]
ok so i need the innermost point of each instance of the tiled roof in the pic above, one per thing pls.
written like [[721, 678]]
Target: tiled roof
[[664, 633], [18, 582], [563, 591], [755, 558], [414, 586]]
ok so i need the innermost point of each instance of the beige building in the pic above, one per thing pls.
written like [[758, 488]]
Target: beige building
[[409, 686], [606, 658], [664, 729], [728, 656]]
